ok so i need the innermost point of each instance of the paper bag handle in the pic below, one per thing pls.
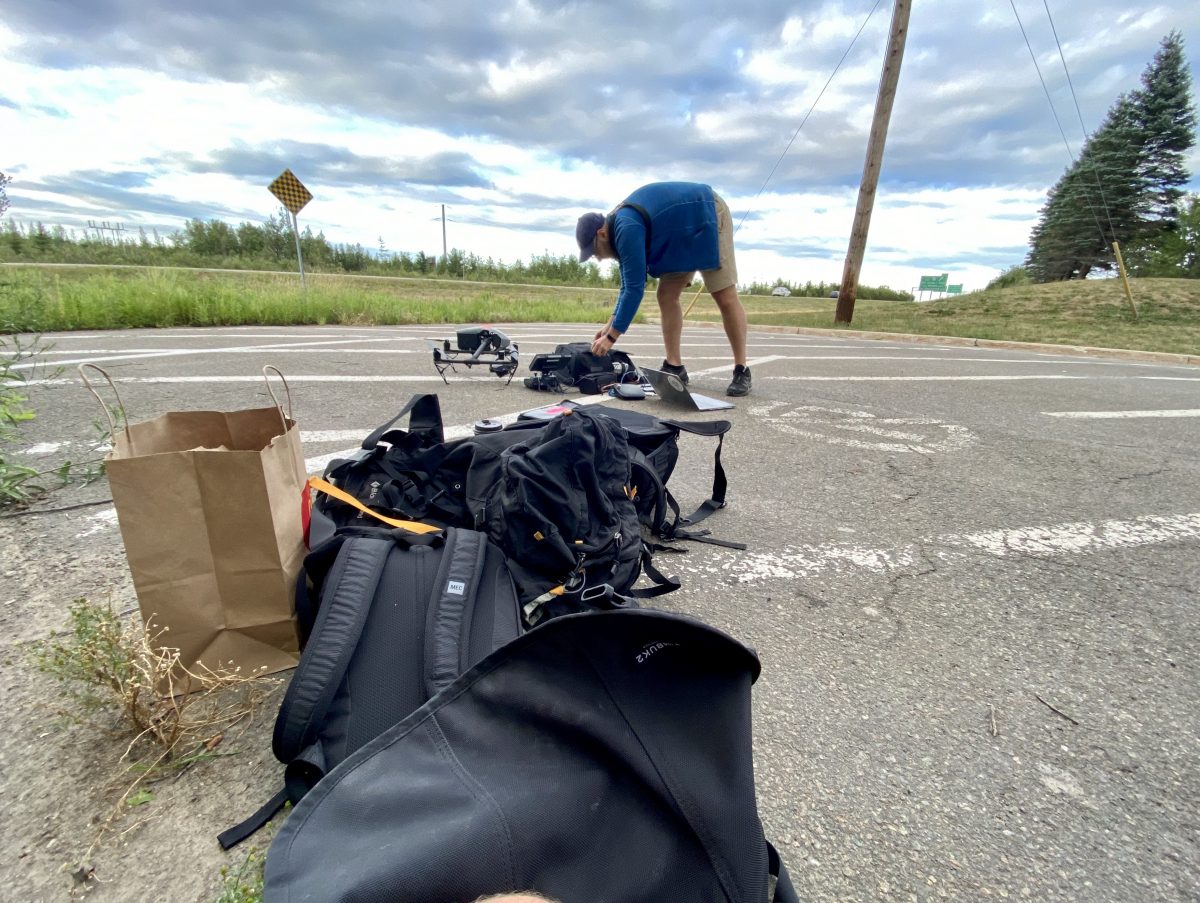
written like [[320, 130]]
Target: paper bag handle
[[112, 427], [271, 392]]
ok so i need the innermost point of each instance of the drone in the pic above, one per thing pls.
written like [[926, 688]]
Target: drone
[[475, 346]]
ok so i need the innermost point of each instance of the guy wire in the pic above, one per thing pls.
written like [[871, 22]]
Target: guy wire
[[795, 134]]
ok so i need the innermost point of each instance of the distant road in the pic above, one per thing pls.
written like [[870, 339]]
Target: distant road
[[131, 266]]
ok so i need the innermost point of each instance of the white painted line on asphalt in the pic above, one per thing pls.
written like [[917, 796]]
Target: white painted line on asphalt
[[318, 378], [1083, 537], [191, 351], [712, 371], [1114, 415], [751, 362], [200, 334], [333, 435], [249, 349], [1061, 539], [889, 379]]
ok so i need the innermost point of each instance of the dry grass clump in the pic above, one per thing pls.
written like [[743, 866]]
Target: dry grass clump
[[117, 676]]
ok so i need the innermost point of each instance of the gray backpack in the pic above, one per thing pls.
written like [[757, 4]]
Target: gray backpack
[[399, 616]]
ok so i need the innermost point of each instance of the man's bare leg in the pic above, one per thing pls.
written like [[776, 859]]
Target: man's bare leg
[[733, 317], [671, 317]]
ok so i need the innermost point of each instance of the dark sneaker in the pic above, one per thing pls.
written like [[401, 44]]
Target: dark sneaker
[[741, 381], [677, 370]]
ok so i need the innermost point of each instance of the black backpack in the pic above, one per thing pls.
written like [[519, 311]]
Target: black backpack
[[573, 364], [653, 453], [602, 756], [562, 509], [387, 619], [555, 496]]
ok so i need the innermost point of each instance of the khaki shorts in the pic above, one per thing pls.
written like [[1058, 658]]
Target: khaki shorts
[[725, 274]]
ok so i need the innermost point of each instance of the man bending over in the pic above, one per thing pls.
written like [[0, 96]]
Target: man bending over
[[669, 230]]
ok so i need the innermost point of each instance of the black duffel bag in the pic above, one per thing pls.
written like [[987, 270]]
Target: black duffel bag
[[602, 756]]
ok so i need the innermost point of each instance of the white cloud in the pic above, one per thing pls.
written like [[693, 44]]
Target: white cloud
[[521, 119]]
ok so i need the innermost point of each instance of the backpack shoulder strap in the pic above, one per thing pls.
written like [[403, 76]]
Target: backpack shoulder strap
[[348, 592], [425, 417], [449, 614], [716, 501], [339, 623], [784, 891]]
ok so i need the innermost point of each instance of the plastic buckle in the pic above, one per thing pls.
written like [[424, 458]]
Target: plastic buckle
[[600, 591]]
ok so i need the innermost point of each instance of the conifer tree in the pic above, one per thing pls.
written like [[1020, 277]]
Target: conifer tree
[[1166, 119], [1125, 185]]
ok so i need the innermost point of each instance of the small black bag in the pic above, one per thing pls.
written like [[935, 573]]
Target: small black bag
[[591, 374], [602, 756], [573, 364]]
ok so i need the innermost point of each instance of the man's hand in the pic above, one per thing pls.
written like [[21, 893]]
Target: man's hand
[[605, 339]]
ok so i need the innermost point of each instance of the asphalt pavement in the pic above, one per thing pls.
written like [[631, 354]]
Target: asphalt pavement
[[972, 578]]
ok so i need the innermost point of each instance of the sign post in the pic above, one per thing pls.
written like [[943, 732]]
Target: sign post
[[293, 195]]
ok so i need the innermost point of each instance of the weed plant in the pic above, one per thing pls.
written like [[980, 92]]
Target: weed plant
[[106, 664], [19, 483], [15, 478], [245, 885], [173, 716]]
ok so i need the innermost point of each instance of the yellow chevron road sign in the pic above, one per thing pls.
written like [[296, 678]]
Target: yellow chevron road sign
[[290, 191]]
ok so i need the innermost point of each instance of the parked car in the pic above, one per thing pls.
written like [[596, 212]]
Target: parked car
[[781, 291]]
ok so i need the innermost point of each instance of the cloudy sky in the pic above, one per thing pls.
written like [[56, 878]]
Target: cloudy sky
[[518, 115]]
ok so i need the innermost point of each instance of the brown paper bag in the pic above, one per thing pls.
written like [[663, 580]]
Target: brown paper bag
[[209, 504]]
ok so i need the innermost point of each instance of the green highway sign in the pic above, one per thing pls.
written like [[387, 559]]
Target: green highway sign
[[954, 289], [934, 283]]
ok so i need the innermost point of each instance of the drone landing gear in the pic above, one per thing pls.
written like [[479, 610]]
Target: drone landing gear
[[476, 347]]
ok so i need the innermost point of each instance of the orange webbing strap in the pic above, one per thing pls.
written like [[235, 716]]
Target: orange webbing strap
[[328, 488]]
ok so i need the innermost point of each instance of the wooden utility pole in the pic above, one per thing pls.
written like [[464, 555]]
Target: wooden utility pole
[[870, 178]]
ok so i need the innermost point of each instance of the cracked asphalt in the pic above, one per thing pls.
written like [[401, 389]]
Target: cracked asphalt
[[975, 599]]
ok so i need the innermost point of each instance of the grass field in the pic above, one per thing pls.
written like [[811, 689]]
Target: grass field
[[1094, 312], [43, 299]]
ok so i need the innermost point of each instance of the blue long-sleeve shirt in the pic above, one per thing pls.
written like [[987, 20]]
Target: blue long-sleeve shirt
[[682, 238]]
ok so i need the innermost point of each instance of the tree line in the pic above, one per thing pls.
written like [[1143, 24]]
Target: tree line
[[272, 246], [823, 289], [1126, 186]]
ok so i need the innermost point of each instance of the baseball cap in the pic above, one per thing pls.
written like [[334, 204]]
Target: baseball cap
[[585, 234]]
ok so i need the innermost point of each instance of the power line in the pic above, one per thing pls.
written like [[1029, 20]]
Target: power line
[[1083, 128], [796, 134], [1053, 111]]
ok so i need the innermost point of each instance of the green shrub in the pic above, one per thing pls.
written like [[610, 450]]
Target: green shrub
[[1017, 275]]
